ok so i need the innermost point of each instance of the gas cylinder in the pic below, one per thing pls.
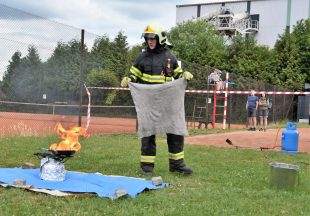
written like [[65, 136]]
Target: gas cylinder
[[290, 137]]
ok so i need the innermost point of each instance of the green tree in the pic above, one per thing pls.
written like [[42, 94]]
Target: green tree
[[119, 58], [289, 61], [110, 55], [199, 47], [198, 42], [26, 81], [109, 62], [35, 74], [250, 60], [9, 75], [99, 56], [63, 72], [134, 52], [103, 78], [302, 34]]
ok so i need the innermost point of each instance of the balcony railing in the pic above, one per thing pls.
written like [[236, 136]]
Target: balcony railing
[[242, 26]]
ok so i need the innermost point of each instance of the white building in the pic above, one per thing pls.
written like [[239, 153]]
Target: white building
[[266, 19]]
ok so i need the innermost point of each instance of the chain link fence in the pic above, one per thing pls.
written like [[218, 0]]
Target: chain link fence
[[36, 90], [40, 66]]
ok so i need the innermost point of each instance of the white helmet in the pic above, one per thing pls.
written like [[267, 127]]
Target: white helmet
[[153, 31]]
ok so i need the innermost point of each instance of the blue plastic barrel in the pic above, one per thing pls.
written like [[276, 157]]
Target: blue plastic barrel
[[290, 138]]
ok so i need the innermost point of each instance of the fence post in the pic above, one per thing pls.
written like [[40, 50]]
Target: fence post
[[81, 76], [273, 104], [225, 101], [284, 105], [207, 104], [229, 111]]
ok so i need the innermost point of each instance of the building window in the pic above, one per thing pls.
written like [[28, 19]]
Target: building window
[[254, 17], [254, 20]]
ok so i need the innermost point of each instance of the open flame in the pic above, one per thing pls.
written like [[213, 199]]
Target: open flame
[[70, 138]]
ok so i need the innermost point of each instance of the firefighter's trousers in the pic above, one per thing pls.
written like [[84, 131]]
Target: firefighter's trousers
[[175, 148]]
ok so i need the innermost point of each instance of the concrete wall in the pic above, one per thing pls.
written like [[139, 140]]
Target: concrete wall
[[236, 7], [206, 9], [299, 10], [186, 13], [272, 20]]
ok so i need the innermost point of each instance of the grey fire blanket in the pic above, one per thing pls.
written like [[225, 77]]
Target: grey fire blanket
[[160, 107]]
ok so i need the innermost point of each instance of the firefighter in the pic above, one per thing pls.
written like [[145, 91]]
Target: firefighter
[[156, 65]]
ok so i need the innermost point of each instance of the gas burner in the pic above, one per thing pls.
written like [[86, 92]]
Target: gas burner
[[60, 156]]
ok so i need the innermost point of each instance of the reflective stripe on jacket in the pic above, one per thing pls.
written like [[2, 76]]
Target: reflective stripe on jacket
[[155, 67]]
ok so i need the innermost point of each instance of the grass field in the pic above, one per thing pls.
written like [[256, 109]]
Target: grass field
[[225, 181]]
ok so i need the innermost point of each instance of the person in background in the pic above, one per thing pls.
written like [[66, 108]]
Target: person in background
[[263, 105], [251, 107]]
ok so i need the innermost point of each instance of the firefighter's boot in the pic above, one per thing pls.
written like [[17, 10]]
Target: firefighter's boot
[[176, 154], [147, 168], [148, 153], [179, 166]]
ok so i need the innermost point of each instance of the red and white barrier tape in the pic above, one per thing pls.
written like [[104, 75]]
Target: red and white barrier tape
[[248, 92], [88, 107], [109, 88], [218, 92]]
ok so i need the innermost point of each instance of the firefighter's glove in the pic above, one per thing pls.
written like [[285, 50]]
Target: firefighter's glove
[[187, 75], [125, 81]]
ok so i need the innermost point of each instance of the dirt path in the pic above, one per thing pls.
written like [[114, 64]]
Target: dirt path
[[250, 139], [27, 124]]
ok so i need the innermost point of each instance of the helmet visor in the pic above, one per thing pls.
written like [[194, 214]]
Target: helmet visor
[[149, 35]]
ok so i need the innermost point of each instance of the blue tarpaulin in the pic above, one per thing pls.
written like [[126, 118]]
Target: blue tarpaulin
[[79, 182]]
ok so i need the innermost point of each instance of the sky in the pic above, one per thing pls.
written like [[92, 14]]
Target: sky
[[95, 16], [105, 16], [43, 23]]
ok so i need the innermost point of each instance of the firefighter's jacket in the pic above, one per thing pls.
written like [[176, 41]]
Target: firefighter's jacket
[[155, 67]]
